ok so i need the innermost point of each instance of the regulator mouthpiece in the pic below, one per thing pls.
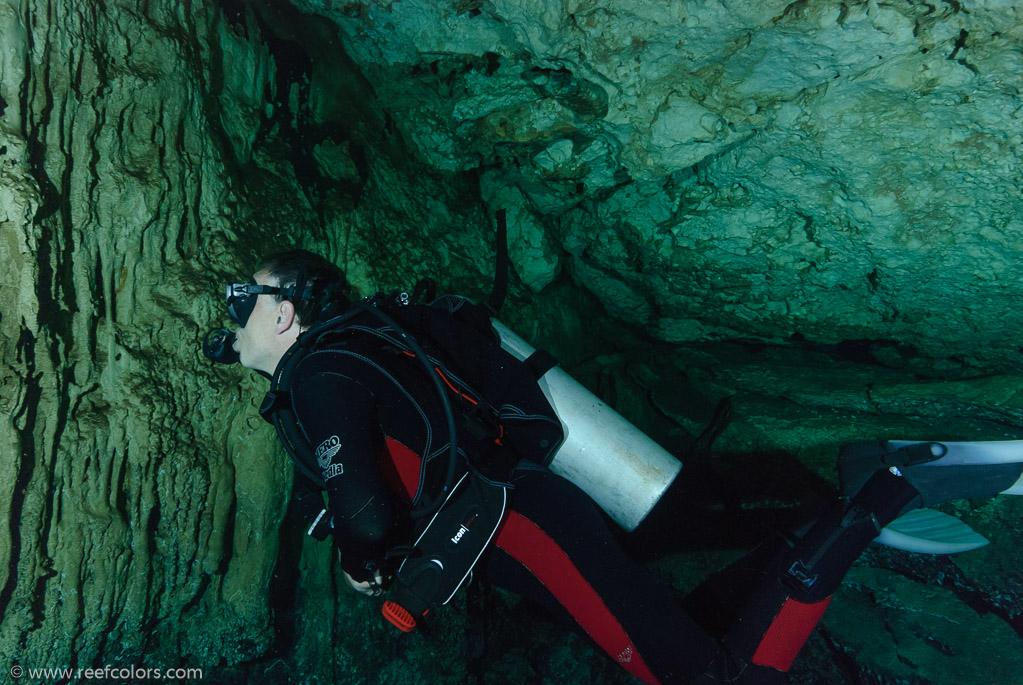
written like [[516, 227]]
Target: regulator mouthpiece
[[218, 346]]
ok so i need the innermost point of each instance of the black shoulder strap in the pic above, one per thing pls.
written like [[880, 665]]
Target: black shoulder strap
[[276, 407], [277, 410], [500, 290]]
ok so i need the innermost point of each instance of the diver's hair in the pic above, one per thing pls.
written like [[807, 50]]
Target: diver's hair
[[330, 292]]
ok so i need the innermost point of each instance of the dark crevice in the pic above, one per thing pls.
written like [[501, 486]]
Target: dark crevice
[[906, 661], [27, 452], [153, 524], [228, 537], [181, 237], [121, 499], [952, 578], [151, 607], [959, 45], [31, 133], [285, 582], [150, 629], [204, 584], [197, 211], [98, 297], [842, 658], [942, 571], [113, 619], [868, 351]]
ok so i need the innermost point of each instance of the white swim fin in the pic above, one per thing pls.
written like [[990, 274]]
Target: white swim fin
[[939, 471], [930, 532]]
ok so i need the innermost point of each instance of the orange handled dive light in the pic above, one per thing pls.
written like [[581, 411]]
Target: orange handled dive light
[[399, 616]]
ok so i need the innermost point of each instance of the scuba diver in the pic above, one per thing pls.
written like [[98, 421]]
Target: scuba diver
[[433, 444]]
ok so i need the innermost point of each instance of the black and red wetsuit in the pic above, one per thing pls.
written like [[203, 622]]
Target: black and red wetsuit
[[373, 420], [372, 415]]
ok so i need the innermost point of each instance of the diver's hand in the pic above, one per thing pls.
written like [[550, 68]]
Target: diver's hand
[[371, 588]]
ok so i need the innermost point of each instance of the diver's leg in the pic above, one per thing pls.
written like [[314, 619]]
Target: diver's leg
[[776, 617], [882, 481], [556, 548], [792, 592]]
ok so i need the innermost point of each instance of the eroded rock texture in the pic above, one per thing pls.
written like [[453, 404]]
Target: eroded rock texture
[[139, 493], [722, 169], [812, 208]]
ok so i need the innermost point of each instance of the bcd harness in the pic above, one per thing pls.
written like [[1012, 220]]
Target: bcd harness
[[456, 525]]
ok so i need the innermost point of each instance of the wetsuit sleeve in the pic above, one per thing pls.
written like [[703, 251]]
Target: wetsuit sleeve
[[338, 416]]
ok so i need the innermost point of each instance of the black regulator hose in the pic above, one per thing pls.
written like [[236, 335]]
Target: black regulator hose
[[426, 507]]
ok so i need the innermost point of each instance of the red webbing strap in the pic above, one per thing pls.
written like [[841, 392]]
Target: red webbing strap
[[525, 542], [788, 632], [407, 463]]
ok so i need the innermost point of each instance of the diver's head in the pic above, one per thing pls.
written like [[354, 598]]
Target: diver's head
[[325, 291], [289, 292]]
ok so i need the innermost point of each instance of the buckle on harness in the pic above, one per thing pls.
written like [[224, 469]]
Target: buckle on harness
[[483, 425]]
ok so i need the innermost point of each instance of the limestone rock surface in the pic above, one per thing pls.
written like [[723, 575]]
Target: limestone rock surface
[[720, 169], [140, 496]]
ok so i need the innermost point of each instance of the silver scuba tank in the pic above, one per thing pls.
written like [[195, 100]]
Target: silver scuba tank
[[615, 463]]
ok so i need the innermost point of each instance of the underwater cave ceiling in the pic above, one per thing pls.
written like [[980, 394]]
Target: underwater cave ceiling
[[713, 170], [813, 208]]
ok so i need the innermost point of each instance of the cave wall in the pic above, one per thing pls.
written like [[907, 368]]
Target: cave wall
[[139, 493], [795, 176]]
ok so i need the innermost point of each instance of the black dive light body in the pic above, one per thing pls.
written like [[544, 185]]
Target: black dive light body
[[446, 550]]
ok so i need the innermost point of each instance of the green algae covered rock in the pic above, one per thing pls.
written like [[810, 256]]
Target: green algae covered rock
[[769, 168], [903, 631], [140, 495]]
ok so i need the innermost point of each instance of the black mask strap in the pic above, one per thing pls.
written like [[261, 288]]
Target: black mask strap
[[299, 291]]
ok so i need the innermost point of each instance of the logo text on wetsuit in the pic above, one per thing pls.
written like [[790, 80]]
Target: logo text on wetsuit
[[327, 449], [463, 529]]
